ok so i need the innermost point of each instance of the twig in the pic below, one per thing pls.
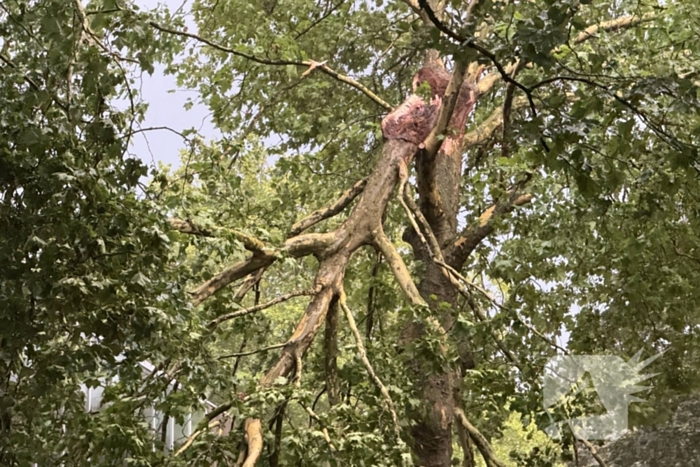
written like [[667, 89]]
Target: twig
[[263, 306], [188, 227], [194, 436], [252, 352], [594, 452], [324, 430]]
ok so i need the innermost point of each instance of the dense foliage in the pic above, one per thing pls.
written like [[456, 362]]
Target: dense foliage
[[575, 190]]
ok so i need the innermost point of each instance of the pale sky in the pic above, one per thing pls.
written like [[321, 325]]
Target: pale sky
[[167, 109]]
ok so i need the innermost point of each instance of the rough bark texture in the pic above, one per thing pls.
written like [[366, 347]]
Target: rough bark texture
[[438, 185], [674, 444]]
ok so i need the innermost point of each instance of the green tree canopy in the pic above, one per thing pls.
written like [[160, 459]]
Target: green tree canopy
[[412, 206]]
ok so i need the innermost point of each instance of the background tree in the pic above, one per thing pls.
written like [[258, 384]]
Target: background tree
[[442, 189]]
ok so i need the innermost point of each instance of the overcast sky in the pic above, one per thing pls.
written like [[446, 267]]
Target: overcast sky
[[167, 109]]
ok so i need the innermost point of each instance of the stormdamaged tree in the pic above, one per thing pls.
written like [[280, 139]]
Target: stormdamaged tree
[[469, 180]]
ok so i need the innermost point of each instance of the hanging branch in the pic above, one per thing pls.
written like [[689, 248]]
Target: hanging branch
[[368, 366], [481, 443], [330, 355], [253, 437], [324, 430]]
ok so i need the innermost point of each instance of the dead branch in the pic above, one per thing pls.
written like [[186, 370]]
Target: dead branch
[[299, 246], [368, 366], [322, 214], [481, 443], [264, 61], [263, 306]]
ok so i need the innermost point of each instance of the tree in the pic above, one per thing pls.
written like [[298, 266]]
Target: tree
[[469, 180]]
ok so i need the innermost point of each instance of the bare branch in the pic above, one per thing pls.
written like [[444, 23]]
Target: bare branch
[[368, 366], [324, 430], [253, 352], [485, 130], [398, 267], [227, 276], [481, 443], [329, 211], [253, 436], [471, 237], [188, 227], [299, 246], [330, 355], [264, 61], [612, 25], [594, 452], [263, 306]]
